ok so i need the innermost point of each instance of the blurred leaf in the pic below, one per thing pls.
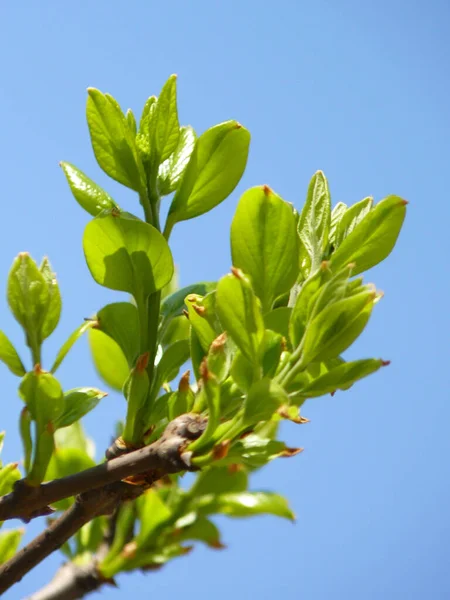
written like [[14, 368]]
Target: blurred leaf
[[152, 512], [127, 254], [264, 243], [314, 224], [113, 142], [77, 403], [87, 193], [109, 360], [8, 355], [373, 238], [65, 348], [172, 169], [9, 542], [278, 320], [215, 167], [247, 504], [240, 314]]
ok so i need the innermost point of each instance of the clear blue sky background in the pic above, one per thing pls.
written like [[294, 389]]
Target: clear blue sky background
[[358, 89]]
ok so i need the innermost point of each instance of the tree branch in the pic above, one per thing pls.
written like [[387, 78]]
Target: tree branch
[[160, 458], [27, 502], [71, 582]]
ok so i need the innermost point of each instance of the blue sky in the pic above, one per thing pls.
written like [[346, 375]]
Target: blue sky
[[357, 89]]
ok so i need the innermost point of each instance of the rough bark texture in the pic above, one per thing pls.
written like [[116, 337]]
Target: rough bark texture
[[99, 491]]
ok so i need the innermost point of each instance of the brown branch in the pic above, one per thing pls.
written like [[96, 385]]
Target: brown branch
[[160, 458], [71, 582], [27, 502]]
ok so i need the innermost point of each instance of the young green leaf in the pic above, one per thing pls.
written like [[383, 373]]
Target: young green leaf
[[173, 305], [342, 377], [373, 238], [172, 169], [264, 243], [8, 355], [336, 216], [87, 193], [112, 141], [9, 542], [337, 327], [166, 127], [136, 390], [240, 314], [77, 403], [28, 298], [350, 219], [127, 255], [246, 504], [120, 321], [314, 224], [109, 360], [65, 348], [263, 400], [53, 313], [214, 170]]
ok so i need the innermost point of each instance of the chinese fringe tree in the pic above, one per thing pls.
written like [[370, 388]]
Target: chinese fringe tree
[[258, 342]]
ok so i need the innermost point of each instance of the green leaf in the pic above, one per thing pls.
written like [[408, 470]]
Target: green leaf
[[202, 530], [87, 193], [77, 403], [172, 359], [336, 216], [136, 391], [337, 327], [152, 512], [314, 224], [9, 474], [166, 127], [53, 313], [247, 504], [113, 142], [28, 298], [172, 169], [8, 355], [218, 480], [214, 170], [43, 395], [65, 462], [342, 377], [240, 314], [264, 243], [127, 255], [9, 542], [65, 348], [109, 360], [263, 400], [303, 306], [373, 238], [200, 322], [211, 390], [278, 320], [120, 321], [173, 305], [351, 217]]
